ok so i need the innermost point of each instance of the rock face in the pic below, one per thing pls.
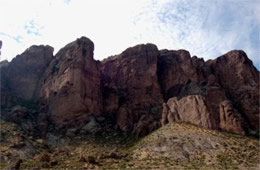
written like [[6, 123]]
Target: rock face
[[72, 84], [131, 87], [145, 125], [240, 79], [20, 79], [230, 119], [190, 109], [139, 89], [214, 82]]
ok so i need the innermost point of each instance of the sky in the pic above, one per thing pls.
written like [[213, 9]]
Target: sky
[[206, 28]]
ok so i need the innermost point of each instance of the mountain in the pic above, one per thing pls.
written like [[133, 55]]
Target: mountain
[[132, 94]]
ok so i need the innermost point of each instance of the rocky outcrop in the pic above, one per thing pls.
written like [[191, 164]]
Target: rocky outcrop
[[190, 109], [230, 119], [240, 80], [193, 109], [136, 90], [131, 87], [72, 84], [179, 74], [215, 81], [20, 79], [145, 125], [165, 113]]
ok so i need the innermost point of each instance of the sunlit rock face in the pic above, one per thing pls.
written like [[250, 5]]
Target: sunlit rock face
[[138, 90]]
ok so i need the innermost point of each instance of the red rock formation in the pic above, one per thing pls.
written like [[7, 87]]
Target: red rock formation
[[145, 125], [20, 79], [230, 118], [72, 88], [165, 112], [72, 84], [240, 80], [180, 75], [229, 77], [131, 86], [190, 109]]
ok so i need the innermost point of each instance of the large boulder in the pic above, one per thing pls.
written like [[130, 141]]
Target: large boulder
[[145, 125], [72, 84], [190, 109]]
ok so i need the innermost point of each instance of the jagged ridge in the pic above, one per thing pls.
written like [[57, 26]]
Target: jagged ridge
[[70, 90]]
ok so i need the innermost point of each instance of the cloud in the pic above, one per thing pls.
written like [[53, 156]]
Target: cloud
[[18, 38], [67, 1], [205, 28], [32, 28]]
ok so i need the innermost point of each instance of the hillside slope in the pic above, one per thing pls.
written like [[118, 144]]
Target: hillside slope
[[173, 146], [181, 145]]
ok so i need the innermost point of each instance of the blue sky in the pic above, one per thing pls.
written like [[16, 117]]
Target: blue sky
[[206, 28]]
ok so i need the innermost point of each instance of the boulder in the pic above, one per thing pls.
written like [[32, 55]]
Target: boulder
[[17, 113], [145, 125], [190, 109], [91, 127]]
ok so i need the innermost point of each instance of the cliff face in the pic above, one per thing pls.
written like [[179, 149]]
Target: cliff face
[[20, 79], [72, 84], [138, 88], [131, 88]]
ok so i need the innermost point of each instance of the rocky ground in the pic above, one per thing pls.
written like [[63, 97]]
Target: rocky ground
[[173, 146], [185, 146]]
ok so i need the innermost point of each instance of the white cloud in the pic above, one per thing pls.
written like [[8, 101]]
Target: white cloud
[[205, 28]]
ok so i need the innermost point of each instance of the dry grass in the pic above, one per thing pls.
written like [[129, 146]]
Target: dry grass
[[174, 146]]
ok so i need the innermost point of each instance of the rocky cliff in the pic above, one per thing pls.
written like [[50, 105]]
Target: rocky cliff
[[138, 90], [71, 87]]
